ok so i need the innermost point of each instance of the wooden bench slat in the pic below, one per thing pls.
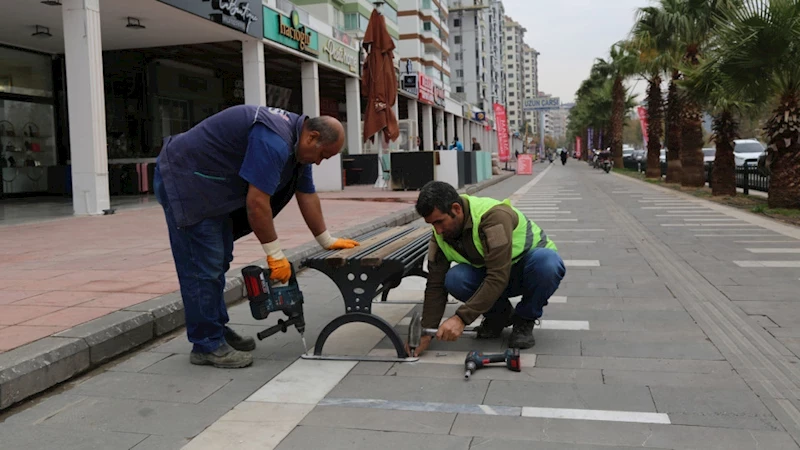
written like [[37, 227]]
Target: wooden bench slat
[[376, 258], [341, 256]]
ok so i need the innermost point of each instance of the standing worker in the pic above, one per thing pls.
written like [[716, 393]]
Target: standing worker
[[228, 176], [500, 254]]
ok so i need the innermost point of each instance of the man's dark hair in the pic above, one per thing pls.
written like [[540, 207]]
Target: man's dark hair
[[328, 134], [439, 195]]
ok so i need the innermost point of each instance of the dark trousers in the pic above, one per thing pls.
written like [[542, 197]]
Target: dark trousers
[[535, 277], [203, 253]]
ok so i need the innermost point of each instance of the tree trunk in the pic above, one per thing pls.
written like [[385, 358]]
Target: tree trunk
[[692, 145], [723, 176], [783, 130], [617, 116], [596, 139], [585, 146], [654, 128], [673, 138]]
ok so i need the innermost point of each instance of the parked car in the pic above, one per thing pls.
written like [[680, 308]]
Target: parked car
[[709, 153], [747, 150], [640, 156]]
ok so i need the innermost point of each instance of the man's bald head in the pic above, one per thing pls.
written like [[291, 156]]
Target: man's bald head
[[322, 138]]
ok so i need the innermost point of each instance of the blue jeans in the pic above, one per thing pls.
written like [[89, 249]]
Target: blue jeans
[[203, 253], [535, 277]]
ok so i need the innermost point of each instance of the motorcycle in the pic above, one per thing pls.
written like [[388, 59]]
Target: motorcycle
[[563, 158], [607, 164]]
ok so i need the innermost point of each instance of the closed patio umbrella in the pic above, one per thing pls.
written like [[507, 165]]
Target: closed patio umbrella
[[378, 81]]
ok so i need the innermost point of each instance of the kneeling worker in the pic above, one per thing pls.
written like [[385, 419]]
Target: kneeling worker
[[500, 254], [228, 176]]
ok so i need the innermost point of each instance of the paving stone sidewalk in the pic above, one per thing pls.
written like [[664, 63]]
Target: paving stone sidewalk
[[673, 329]]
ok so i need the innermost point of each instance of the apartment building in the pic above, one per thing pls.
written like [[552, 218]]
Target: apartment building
[[530, 58], [513, 65], [496, 40]]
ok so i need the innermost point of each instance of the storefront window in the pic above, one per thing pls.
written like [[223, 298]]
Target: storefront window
[[27, 124], [26, 134], [25, 73]]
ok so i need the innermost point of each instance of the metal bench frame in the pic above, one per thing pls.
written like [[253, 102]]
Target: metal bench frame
[[360, 279]]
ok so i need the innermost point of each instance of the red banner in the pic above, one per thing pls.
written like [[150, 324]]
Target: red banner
[[524, 164], [503, 150], [426, 87], [578, 147], [643, 121]]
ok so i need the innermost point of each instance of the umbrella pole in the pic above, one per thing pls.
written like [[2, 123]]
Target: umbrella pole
[[380, 183]]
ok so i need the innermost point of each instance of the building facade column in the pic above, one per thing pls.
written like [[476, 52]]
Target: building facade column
[[440, 125], [459, 130], [413, 116], [309, 78], [353, 95], [87, 114], [427, 127], [328, 174], [450, 128], [255, 82]]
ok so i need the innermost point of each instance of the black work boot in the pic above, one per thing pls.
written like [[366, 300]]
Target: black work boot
[[522, 333], [225, 357], [238, 342], [493, 323]]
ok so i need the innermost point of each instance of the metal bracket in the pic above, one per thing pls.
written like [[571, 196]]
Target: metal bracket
[[367, 318]]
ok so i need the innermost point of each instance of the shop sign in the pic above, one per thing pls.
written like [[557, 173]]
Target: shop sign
[[288, 31], [426, 94], [438, 96], [339, 55], [480, 116], [408, 83], [236, 14]]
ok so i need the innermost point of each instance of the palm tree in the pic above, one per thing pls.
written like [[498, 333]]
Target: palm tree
[[620, 65], [657, 25], [759, 44], [692, 26], [707, 85], [651, 39]]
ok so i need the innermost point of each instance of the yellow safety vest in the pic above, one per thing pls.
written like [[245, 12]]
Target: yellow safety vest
[[524, 237]]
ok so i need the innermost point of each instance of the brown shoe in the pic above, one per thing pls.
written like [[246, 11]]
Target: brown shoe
[[225, 357]]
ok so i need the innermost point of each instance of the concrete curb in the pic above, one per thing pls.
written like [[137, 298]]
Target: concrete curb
[[40, 365]]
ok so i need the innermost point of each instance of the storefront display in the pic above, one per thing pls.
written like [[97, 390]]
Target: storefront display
[[27, 141]]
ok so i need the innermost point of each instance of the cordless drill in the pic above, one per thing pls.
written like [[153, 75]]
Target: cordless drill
[[477, 360], [266, 297]]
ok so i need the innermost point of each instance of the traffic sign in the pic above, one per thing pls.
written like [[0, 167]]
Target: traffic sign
[[541, 103]]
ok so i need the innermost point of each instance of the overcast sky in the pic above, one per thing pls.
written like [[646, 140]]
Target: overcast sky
[[570, 34]]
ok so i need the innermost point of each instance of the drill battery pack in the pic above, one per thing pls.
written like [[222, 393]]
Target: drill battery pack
[[265, 298]]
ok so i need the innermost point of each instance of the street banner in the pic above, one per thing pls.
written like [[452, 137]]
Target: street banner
[[503, 150], [578, 147], [642, 111], [524, 164]]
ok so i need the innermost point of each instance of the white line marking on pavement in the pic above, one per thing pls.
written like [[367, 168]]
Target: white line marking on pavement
[[729, 235], [545, 219], [771, 264], [759, 241], [680, 224], [595, 414], [573, 242], [579, 230], [305, 381], [721, 219], [494, 410], [528, 186], [688, 208], [688, 216], [773, 250], [543, 212], [571, 325], [582, 263]]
